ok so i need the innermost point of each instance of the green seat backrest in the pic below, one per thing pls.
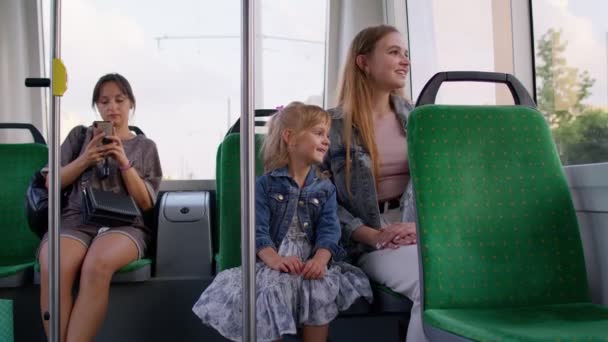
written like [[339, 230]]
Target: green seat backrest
[[229, 198], [496, 222], [6, 320], [18, 163]]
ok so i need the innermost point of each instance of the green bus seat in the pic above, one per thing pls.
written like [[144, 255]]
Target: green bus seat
[[228, 196], [136, 271], [6, 320], [499, 244], [19, 244]]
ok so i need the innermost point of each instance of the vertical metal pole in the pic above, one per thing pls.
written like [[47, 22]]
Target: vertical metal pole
[[54, 181], [248, 169]]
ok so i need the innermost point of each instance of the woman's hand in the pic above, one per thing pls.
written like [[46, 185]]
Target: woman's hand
[[395, 235], [315, 267], [117, 150], [288, 264], [383, 238], [405, 234], [93, 153]]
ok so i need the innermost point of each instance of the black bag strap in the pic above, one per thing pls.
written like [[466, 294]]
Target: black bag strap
[[82, 134], [81, 137]]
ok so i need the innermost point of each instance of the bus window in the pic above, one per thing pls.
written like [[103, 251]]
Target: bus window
[[293, 52], [571, 47], [449, 35], [182, 59]]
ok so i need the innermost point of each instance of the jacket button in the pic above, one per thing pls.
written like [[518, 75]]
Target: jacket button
[[280, 197], [315, 201], [301, 203], [305, 224]]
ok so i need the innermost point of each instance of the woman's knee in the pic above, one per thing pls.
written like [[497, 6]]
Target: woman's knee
[[96, 269], [106, 255], [71, 259], [396, 269], [43, 254]]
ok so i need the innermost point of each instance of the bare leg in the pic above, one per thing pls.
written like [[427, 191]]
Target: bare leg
[[107, 254], [315, 333], [72, 254]]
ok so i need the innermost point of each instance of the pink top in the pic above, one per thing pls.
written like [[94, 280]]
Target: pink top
[[393, 165]]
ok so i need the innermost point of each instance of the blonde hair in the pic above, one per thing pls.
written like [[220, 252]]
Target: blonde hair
[[355, 96], [296, 116]]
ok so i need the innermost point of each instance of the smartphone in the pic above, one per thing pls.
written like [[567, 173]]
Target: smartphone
[[106, 127]]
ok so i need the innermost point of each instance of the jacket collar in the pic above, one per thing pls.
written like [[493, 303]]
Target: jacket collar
[[283, 172], [402, 108]]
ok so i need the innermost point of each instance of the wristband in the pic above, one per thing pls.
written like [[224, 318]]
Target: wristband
[[130, 165]]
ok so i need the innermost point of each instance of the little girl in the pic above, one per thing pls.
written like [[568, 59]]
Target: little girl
[[299, 282]]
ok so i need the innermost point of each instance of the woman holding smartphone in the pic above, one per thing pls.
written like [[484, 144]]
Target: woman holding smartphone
[[120, 162]]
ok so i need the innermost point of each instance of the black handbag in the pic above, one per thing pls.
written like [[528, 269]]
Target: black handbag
[[107, 209], [37, 204], [37, 196]]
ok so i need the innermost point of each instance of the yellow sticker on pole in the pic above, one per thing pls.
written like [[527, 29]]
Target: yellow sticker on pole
[[59, 78]]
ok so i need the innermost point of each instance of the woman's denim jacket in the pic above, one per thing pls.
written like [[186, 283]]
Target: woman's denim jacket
[[360, 207], [278, 198]]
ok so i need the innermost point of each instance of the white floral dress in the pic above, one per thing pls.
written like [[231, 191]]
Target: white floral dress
[[284, 302]]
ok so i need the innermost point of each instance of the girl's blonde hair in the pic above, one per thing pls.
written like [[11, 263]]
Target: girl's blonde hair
[[296, 116], [355, 96]]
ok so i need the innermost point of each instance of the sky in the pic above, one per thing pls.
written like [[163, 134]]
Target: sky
[[188, 90], [447, 36], [457, 35], [585, 29]]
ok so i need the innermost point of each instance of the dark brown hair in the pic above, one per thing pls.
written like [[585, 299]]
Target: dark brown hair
[[120, 81]]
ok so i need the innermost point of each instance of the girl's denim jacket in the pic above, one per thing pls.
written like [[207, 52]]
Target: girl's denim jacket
[[278, 198], [360, 207]]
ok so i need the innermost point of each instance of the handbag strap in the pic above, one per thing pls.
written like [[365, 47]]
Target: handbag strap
[[81, 138], [86, 175]]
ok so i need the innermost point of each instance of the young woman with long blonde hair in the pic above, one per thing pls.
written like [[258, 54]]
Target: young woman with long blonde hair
[[369, 166]]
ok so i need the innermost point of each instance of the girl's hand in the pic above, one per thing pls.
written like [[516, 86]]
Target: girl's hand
[[116, 150], [93, 153], [288, 264], [316, 267]]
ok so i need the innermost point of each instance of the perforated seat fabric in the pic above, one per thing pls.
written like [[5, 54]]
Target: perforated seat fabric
[[496, 222], [6, 271], [561, 322], [19, 163], [6, 321], [133, 266], [229, 198]]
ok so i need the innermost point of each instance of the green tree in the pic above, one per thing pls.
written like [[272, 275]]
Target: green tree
[[581, 133], [585, 139], [561, 89]]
